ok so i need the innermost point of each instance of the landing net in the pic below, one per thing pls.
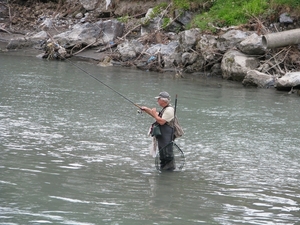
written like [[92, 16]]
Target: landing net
[[173, 154]]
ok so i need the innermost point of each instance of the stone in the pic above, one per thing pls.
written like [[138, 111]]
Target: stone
[[258, 79], [235, 65]]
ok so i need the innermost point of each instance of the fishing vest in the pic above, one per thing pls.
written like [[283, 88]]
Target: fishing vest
[[162, 112], [174, 123]]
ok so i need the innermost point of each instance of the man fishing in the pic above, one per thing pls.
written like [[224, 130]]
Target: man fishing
[[167, 124], [162, 119]]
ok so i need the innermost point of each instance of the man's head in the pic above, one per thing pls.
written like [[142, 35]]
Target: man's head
[[163, 98]]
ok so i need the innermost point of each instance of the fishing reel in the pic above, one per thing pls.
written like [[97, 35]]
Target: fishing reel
[[139, 111]]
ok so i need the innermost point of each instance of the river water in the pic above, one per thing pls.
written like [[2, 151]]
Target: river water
[[75, 152]]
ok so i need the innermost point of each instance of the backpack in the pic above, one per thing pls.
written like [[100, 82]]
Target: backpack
[[178, 132]]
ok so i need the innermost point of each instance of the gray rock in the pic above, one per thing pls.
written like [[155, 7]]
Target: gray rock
[[91, 33], [130, 49], [230, 39], [235, 65], [184, 17], [207, 45], [197, 66], [285, 18], [168, 49], [289, 80], [189, 58], [189, 38], [258, 79], [34, 40], [252, 45]]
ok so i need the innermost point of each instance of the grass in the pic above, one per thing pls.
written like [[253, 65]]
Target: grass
[[291, 3], [234, 12], [221, 13], [229, 12]]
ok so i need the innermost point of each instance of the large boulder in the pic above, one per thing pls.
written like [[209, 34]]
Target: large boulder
[[230, 39], [235, 65], [288, 81], [130, 49], [31, 40], [189, 38], [252, 45], [101, 32], [170, 53]]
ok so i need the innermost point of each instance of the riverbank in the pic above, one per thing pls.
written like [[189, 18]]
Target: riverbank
[[5, 38], [233, 53]]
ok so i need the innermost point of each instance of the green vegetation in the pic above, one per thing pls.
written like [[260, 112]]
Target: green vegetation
[[232, 12], [219, 13], [158, 9], [123, 19], [229, 12], [291, 3], [165, 22], [181, 4]]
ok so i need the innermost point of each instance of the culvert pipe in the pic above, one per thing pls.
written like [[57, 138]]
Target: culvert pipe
[[281, 39]]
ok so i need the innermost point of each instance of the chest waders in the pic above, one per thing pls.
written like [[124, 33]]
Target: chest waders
[[166, 154]]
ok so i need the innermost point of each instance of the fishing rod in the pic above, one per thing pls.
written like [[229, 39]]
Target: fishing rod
[[94, 76], [175, 106], [103, 83], [178, 153]]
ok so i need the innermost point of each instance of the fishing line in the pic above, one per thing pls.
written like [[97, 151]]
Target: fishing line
[[78, 67], [178, 154], [102, 83]]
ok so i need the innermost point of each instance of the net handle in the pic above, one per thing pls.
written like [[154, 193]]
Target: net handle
[[175, 106]]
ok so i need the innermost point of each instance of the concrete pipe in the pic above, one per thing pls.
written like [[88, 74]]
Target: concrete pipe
[[281, 39]]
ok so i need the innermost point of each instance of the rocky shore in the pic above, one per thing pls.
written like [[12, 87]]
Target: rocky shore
[[146, 42]]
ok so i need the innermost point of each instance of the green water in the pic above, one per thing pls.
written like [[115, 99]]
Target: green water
[[75, 152]]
